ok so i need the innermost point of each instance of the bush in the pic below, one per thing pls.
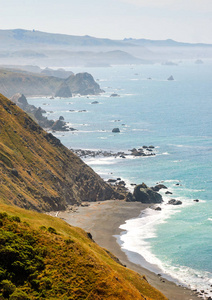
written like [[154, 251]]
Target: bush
[[52, 230], [16, 219], [7, 288], [3, 215], [18, 294]]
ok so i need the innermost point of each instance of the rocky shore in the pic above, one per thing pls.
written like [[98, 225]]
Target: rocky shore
[[143, 151], [36, 113]]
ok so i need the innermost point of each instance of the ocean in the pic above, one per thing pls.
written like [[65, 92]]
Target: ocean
[[176, 118]]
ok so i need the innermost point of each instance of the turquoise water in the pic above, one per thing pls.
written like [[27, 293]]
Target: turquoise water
[[175, 117]]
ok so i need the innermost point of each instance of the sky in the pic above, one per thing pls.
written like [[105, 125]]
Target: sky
[[181, 20]]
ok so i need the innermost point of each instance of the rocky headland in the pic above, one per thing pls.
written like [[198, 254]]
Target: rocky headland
[[37, 115], [34, 84]]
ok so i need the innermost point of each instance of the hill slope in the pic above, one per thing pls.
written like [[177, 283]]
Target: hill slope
[[37, 171], [49, 259]]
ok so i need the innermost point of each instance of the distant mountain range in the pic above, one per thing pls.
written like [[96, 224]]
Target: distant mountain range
[[21, 38], [20, 46]]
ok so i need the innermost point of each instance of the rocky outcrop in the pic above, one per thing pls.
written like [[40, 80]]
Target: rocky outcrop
[[171, 78], [144, 194], [116, 130], [83, 84], [158, 187], [37, 114], [114, 95], [175, 202]]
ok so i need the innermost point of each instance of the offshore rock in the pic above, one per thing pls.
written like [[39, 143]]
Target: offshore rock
[[117, 130], [144, 194], [158, 187], [175, 202], [83, 84]]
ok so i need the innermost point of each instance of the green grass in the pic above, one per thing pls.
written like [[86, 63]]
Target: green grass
[[46, 258]]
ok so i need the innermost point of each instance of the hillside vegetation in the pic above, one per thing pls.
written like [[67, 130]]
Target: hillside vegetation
[[42, 257], [36, 171], [45, 258]]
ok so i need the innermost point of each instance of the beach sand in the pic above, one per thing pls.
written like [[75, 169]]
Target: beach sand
[[102, 220]]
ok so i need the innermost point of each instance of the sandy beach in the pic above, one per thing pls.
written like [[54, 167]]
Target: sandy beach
[[102, 220]]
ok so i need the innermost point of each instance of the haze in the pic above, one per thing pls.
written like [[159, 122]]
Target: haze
[[185, 21]]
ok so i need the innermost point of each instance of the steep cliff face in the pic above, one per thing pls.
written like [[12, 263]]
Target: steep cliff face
[[83, 84], [37, 171]]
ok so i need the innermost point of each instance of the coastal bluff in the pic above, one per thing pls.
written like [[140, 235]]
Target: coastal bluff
[[34, 84], [37, 172]]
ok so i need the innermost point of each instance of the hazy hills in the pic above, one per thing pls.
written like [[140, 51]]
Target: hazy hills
[[20, 46]]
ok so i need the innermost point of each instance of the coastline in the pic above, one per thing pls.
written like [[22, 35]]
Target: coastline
[[102, 220]]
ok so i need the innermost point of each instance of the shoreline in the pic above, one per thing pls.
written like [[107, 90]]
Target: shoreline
[[102, 220]]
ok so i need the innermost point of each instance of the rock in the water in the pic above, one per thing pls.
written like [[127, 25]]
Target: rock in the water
[[144, 194], [175, 202], [116, 130], [94, 102], [171, 78], [114, 95], [168, 193], [61, 118], [59, 125], [158, 208], [112, 180], [158, 187], [83, 84], [196, 200]]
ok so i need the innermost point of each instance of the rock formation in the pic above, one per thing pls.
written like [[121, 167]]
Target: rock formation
[[37, 114], [117, 130], [175, 202], [83, 84], [144, 194]]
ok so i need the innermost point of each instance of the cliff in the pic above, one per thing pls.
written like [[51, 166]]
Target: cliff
[[33, 84], [37, 171]]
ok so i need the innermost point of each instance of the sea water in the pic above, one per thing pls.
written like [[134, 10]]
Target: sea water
[[176, 118]]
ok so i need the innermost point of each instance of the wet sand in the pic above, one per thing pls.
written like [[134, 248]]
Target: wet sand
[[102, 220]]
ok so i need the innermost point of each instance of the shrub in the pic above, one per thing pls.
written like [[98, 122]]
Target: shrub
[[16, 219], [7, 288], [52, 230], [18, 294]]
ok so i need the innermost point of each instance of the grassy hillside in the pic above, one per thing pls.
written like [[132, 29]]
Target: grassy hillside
[[37, 171], [45, 258]]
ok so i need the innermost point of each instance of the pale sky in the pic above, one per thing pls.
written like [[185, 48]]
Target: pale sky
[[181, 20]]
